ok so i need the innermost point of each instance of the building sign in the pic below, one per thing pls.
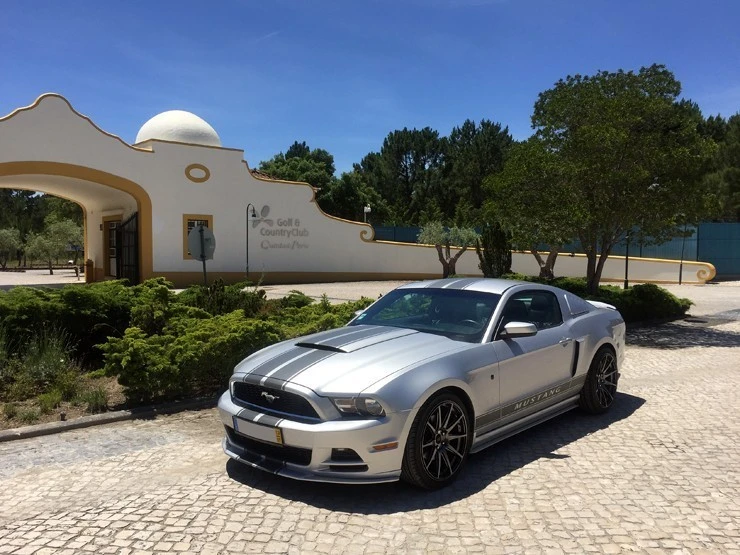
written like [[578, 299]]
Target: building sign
[[280, 233]]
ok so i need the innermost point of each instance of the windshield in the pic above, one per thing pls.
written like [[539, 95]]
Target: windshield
[[454, 313]]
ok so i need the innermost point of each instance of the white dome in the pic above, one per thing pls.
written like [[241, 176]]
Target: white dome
[[179, 126]]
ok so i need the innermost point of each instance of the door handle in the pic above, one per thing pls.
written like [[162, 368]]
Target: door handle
[[565, 341]]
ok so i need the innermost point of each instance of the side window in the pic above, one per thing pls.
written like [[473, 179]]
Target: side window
[[540, 308], [544, 310]]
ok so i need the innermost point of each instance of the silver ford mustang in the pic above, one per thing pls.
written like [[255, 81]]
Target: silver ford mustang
[[427, 374]]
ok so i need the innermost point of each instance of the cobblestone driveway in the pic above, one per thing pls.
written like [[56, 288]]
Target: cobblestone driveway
[[660, 472]]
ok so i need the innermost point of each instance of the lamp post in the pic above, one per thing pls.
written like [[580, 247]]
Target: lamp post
[[365, 211], [254, 215], [627, 262]]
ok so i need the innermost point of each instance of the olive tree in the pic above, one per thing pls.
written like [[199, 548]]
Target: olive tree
[[10, 242], [56, 239], [443, 239]]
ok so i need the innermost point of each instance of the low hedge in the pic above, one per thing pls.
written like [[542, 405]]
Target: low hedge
[[640, 303]]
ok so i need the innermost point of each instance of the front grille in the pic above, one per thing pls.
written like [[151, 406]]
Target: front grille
[[283, 403], [280, 453]]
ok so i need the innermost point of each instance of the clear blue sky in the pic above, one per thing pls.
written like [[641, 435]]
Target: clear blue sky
[[342, 74]]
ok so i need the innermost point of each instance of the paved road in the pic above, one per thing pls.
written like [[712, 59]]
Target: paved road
[[660, 472]]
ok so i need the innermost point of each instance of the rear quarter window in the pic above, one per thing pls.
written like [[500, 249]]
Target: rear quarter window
[[576, 305]]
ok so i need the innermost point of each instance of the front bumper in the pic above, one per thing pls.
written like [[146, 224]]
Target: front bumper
[[307, 449]]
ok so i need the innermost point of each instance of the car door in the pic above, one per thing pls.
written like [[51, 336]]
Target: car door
[[531, 367]]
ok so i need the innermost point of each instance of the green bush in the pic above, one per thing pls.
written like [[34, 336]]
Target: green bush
[[45, 361], [218, 298], [153, 305], [10, 410], [192, 356], [95, 399], [87, 313], [28, 416], [49, 401], [647, 302], [295, 299]]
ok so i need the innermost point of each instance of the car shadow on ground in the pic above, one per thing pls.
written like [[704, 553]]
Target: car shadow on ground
[[481, 470], [692, 332]]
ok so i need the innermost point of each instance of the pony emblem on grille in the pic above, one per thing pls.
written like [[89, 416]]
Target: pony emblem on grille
[[270, 398]]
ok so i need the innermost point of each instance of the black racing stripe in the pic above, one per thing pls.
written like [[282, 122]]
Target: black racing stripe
[[311, 357], [264, 419], [462, 283], [277, 360]]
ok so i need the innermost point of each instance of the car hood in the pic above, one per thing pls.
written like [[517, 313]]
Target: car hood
[[346, 360]]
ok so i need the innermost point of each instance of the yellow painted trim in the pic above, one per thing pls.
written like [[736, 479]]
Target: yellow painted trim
[[192, 167], [143, 202], [702, 274], [106, 235], [185, 218], [56, 95], [183, 279], [186, 144]]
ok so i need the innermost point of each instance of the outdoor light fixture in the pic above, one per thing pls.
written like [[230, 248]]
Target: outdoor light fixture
[[253, 213]]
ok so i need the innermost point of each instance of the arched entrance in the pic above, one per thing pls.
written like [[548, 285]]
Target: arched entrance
[[105, 199]]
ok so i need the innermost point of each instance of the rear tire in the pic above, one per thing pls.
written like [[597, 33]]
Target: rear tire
[[438, 443], [600, 389]]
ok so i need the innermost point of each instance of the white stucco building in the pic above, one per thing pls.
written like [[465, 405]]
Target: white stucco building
[[140, 200]]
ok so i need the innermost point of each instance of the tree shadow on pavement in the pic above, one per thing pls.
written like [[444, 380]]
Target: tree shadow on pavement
[[481, 469], [692, 332]]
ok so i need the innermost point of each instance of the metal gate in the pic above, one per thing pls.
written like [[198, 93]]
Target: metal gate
[[127, 266]]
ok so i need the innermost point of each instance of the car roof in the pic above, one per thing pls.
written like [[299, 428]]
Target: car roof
[[484, 285]]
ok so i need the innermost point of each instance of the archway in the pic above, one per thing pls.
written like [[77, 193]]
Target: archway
[[104, 198]]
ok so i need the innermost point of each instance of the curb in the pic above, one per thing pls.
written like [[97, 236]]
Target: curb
[[105, 418]]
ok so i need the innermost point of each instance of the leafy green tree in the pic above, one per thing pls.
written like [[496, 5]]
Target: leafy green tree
[[56, 240], [434, 233], [347, 196], [724, 177], [60, 209], [535, 202], [630, 150], [10, 242]]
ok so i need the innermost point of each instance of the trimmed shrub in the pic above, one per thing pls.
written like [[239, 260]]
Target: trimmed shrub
[[192, 356], [87, 313], [218, 298]]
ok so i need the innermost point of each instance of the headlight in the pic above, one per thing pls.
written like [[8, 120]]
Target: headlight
[[366, 406]]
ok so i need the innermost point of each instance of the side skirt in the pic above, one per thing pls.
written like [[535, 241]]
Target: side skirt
[[504, 432]]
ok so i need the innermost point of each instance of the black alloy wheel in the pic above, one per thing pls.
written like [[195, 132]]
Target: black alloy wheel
[[438, 443], [600, 388]]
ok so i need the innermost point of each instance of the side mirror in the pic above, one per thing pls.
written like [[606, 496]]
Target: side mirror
[[518, 329], [358, 312]]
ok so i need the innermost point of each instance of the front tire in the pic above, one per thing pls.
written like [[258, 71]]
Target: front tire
[[438, 443], [600, 389]]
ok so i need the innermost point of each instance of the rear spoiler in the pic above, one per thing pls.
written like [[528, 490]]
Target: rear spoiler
[[599, 304]]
